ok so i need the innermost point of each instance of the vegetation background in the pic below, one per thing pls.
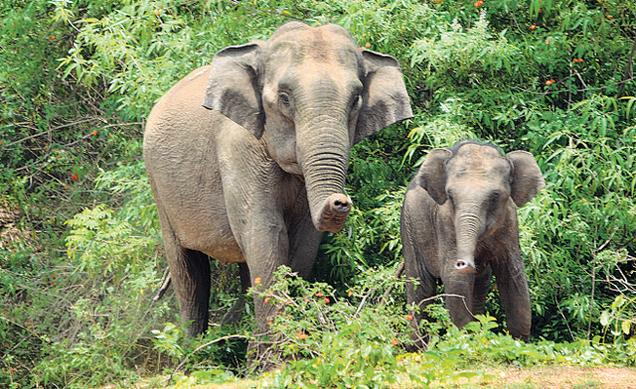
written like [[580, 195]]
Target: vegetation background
[[80, 253]]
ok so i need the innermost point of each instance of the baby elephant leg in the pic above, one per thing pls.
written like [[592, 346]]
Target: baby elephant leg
[[513, 290], [420, 287], [458, 288], [481, 289]]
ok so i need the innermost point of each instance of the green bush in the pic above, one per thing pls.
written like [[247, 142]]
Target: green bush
[[80, 253]]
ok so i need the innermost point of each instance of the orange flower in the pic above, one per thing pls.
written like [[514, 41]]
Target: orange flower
[[550, 82], [533, 27], [257, 280], [326, 300], [94, 133], [409, 317], [301, 335], [478, 3], [74, 177], [394, 342], [578, 60], [266, 300], [319, 294]]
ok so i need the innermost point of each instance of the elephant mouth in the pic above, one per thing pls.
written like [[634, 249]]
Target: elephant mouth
[[292, 168], [334, 213]]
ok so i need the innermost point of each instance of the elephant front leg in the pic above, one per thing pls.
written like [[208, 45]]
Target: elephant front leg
[[265, 247], [304, 241], [515, 298]]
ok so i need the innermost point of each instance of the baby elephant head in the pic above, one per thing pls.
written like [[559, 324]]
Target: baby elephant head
[[480, 185]]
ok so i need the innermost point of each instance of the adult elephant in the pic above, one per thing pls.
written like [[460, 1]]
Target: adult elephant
[[247, 157]]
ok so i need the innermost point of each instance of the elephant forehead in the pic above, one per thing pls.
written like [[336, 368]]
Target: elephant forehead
[[474, 159], [314, 45]]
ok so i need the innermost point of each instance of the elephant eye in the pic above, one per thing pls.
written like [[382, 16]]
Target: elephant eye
[[283, 98], [355, 103], [494, 197]]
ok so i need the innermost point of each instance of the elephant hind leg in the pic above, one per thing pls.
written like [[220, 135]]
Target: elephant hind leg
[[190, 278]]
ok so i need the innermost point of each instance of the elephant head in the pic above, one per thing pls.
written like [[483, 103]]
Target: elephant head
[[310, 93], [479, 183]]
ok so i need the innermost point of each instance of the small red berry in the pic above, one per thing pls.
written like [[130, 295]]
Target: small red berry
[[478, 3], [301, 335], [409, 317], [74, 177], [533, 27], [326, 300], [550, 82]]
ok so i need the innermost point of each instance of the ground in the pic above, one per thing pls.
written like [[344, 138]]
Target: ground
[[561, 377]]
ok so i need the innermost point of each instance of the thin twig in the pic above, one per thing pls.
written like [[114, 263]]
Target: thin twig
[[184, 360], [448, 295], [578, 75], [363, 302], [564, 318], [397, 275], [164, 286]]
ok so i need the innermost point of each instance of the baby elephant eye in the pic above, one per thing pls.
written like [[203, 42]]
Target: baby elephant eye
[[283, 98], [494, 196]]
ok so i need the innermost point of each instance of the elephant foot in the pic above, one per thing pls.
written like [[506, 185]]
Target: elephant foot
[[262, 356]]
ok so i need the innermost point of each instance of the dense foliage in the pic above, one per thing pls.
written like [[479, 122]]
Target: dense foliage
[[80, 253]]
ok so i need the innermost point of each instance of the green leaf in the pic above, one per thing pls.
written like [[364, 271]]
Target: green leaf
[[605, 318], [626, 326]]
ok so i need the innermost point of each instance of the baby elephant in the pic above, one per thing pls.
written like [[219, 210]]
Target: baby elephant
[[459, 223]]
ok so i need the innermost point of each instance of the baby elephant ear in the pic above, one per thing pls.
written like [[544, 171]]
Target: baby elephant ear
[[432, 174], [234, 87], [526, 178]]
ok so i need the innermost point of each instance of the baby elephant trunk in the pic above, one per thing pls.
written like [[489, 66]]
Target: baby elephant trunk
[[468, 227]]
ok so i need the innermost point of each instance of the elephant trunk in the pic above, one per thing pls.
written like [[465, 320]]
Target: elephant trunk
[[468, 228], [323, 147]]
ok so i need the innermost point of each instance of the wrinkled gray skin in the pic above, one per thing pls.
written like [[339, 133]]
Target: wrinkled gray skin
[[459, 224], [247, 157]]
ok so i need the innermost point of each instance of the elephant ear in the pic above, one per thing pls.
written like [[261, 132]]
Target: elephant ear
[[526, 178], [432, 174], [233, 88], [384, 98]]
